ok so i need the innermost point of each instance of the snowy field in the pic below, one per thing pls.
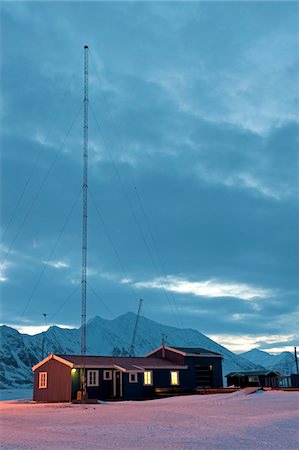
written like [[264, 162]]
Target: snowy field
[[264, 420]]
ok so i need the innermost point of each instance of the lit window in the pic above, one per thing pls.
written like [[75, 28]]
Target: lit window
[[148, 377], [107, 375], [92, 378], [174, 378], [133, 377], [42, 380], [253, 379]]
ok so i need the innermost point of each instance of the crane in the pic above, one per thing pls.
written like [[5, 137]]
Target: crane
[[135, 328]]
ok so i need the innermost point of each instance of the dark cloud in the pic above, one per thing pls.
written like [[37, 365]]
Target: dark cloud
[[198, 138]]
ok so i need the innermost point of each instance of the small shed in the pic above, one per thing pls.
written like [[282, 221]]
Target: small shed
[[265, 378]]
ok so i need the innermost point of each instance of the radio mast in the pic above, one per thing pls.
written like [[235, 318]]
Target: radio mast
[[132, 349], [84, 213]]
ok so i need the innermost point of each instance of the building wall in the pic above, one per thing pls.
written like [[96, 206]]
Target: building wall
[[193, 362], [63, 384], [171, 356], [103, 391], [188, 377], [267, 381], [162, 379], [133, 391], [58, 383], [295, 380]]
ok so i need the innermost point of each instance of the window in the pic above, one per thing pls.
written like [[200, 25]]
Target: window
[[148, 378], [107, 375], [42, 380], [133, 377], [174, 378], [253, 379], [92, 378]]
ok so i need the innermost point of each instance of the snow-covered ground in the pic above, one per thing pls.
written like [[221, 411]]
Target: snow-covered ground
[[264, 420]]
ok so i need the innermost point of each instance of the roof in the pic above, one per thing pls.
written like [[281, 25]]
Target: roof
[[187, 351], [123, 363], [251, 373], [57, 358]]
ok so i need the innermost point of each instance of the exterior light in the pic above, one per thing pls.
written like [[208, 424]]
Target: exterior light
[[73, 371]]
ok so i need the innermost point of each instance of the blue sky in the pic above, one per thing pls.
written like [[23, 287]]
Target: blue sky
[[193, 165]]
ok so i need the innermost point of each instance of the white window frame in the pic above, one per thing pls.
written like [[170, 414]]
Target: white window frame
[[42, 380], [107, 375], [150, 372], [133, 377], [178, 378], [94, 382]]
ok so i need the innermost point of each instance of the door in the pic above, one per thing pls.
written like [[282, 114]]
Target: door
[[204, 376], [117, 384]]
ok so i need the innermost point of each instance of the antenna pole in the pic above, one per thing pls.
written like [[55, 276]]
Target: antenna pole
[[85, 186], [163, 345], [132, 349], [296, 359], [84, 225], [43, 340]]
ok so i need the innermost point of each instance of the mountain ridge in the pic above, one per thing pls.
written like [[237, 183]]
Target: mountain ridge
[[284, 362], [19, 352]]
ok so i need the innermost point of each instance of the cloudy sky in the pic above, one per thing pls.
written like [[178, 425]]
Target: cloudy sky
[[193, 165]]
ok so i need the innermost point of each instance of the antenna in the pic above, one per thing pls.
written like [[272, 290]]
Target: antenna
[[84, 218], [164, 337], [43, 341], [132, 349], [296, 359], [84, 225]]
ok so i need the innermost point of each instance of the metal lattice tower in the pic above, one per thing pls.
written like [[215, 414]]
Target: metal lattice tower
[[85, 187]]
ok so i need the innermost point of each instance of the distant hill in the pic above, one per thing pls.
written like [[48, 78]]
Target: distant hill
[[19, 352], [284, 362]]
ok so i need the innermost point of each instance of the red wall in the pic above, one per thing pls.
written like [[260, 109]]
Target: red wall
[[58, 383]]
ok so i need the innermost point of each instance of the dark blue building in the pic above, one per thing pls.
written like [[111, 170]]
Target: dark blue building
[[166, 369]]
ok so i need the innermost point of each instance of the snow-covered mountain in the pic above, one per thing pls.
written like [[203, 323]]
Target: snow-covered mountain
[[19, 352], [284, 362]]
